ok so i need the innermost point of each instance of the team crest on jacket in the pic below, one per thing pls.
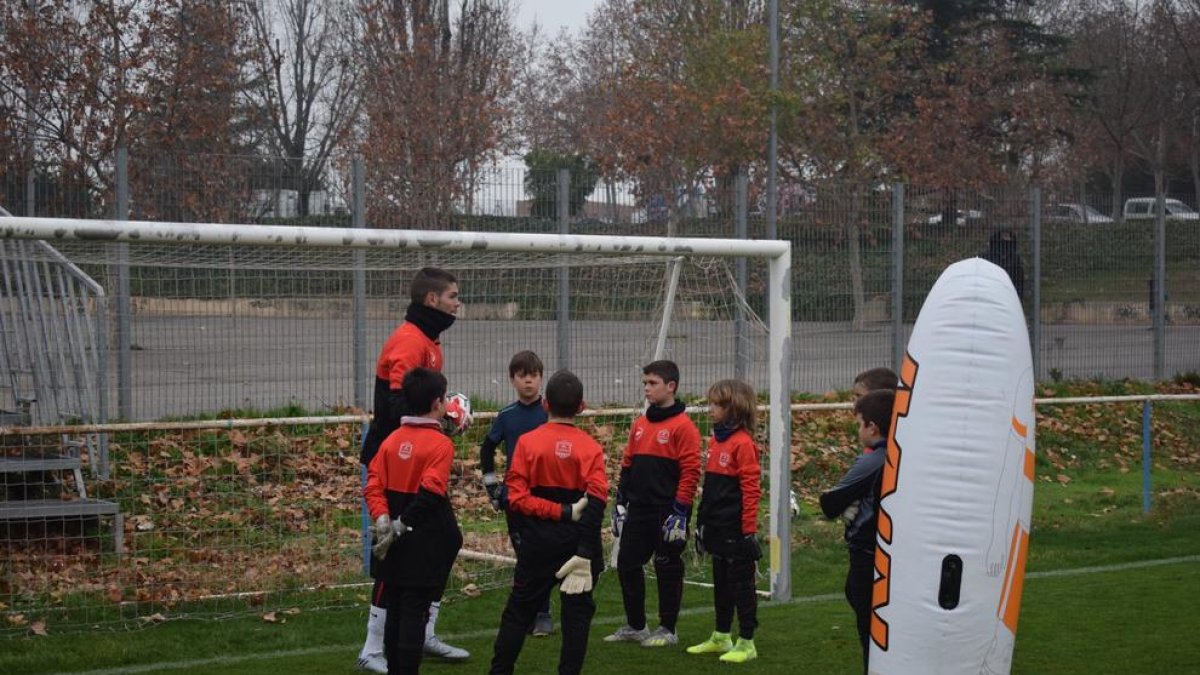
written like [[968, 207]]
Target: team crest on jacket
[[663, 436], [562, 449], [405, 450], [637, 434], [723, 459]]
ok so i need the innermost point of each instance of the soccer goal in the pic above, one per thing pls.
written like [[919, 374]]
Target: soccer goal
[[599, 305]]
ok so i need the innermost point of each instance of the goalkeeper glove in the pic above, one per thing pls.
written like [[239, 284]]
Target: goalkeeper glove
[[385, 534], [850, 513], [571, 513], [618, 519], [747, 547], [496, 492], [674, 529], [576, 575]]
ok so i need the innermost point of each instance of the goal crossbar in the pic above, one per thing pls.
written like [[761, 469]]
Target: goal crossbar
[[777, 253]]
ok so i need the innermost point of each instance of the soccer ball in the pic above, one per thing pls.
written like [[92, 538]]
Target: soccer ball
[[458, 414]]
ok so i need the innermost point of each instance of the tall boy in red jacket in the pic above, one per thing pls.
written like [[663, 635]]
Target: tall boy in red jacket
[[416, 533], [557, 490], [659, 475]]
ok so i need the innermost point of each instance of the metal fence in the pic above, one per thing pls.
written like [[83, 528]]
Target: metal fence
[[197, 334]]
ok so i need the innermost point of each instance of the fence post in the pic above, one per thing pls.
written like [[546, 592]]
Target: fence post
[[1035, 239], [124, 328], [1159, 285], [741, 351], [897, 275], [1146, 443], [359, 216], [563, 311]]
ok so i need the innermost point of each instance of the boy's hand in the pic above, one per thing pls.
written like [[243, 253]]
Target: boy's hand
[[497, 493], [618, 519], [577, 509], [674, 529], [385, 534], [850, 513], [748, 547], [576, 575]]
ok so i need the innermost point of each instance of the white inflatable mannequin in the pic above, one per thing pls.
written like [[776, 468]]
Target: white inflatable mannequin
[[957, 485]]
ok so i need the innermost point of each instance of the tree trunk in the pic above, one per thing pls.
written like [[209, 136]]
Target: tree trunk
[[1118, 180], [850, 227]]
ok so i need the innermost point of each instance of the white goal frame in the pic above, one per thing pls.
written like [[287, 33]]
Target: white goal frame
[[777, 253]]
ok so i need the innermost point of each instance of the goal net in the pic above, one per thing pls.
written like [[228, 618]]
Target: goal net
[[277, 322]]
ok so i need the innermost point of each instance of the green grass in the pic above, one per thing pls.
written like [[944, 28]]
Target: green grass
[[1122, 621], [1087, 513]]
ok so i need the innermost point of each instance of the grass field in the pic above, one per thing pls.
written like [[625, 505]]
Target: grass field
[[1110, 590]]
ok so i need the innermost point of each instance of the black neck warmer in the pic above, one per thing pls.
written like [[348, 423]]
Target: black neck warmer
[[431, 321], [723, 431], [656, 414]]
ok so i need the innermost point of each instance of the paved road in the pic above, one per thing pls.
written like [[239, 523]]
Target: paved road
[[188, 365]]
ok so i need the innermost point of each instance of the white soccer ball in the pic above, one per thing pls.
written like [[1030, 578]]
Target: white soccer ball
[[458, 414]]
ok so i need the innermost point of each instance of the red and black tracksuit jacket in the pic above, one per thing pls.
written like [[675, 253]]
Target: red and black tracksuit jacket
[[408, 479], [552, 467], [414, 344], [661, 464], [732, 489]]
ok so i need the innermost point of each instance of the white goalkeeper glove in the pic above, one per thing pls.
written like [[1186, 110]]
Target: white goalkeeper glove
[[385, 534], [576, 575], [850, 513], [578, 508]]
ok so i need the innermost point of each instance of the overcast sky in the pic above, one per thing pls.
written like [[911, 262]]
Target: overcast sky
[[553, 14]]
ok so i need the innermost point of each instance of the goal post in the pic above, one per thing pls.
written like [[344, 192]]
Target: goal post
[[442, 247]]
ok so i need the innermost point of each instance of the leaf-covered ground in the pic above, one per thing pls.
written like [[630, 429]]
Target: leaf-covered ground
[[228, 520]]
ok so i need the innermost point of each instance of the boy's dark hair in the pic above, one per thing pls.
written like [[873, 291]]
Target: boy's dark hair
[[876, 406], [430, 280], [877, 378], [667, 370], [422, 387], [564, 394], [526, 363]]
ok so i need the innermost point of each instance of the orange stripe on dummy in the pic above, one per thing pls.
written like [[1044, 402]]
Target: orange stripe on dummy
[[1029, 464], [1012, 605], [1008, 569], [880, 597], [1021, 429]]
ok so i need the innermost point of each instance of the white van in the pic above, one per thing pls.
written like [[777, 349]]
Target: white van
[[1142, 208]]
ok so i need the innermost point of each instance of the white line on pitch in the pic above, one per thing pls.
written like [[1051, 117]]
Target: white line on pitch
[[608, 620]]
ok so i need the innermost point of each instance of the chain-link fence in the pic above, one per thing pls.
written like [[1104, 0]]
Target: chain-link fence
[[199, 333], [196, 331]]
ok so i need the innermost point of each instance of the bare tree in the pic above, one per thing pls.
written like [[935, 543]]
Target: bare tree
[[307, 84], [435, 83]]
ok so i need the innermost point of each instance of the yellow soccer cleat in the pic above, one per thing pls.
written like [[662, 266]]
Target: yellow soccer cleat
[[717, 643], [742, 652]]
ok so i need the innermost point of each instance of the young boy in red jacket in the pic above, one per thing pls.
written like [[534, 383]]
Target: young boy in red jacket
[[557, 491], [727, 524], [416, 533], [659, 475]]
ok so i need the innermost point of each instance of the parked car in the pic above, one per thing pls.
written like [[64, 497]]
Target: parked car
[[1076, 213], [963, 217], [1142, 208]]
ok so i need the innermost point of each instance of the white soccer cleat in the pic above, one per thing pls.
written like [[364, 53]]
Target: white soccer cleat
[[373, 663], [435, 647], [627, 634]]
